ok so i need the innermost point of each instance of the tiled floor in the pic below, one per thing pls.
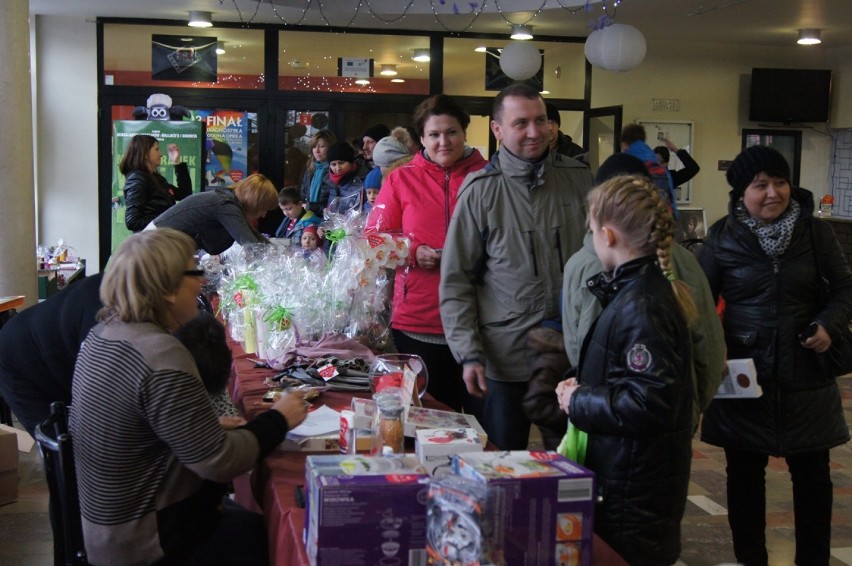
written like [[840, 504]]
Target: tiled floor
[[25, 536]]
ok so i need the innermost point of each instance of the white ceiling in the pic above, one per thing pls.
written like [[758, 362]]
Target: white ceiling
[[746, 22]]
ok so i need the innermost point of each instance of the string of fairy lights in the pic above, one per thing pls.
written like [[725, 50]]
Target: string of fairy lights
[[441, 10]]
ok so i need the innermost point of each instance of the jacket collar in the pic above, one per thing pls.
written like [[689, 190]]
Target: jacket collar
[[607, 284], [532, 173]]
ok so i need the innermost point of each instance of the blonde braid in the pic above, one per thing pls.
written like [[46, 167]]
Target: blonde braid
[[637, 208]]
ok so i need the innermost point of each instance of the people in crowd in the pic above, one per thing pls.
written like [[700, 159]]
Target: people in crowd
[[392, 151], [765, 260], [372, 186], [205, 339], [680, 176], [346, 185], [369, 140], [296, 216], [216, 219], [147, 194], [38, 348], [580, 308], [310, 239], [633, 394], [150, 453], [558, 141], [418, 199], [516, 223], [633, 143], [315, 184]]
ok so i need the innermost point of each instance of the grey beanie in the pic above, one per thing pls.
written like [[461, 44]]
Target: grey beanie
[[752, 161], [388, 150]]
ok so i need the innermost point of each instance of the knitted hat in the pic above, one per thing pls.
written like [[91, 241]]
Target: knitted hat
[[373, 180], [620, 164], [752, 161], [312, 229], [553, 113], [377, 132], [341, 151], [388, 150]]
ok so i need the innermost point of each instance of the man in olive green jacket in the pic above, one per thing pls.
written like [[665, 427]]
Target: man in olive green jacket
[[516, 223]]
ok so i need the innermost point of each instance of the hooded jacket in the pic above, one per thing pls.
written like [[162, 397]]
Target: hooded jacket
[[767, 303], [516, 224], [418, 200], [635, 403]]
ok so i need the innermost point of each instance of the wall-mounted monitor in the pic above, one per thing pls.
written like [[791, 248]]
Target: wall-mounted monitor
[[789, 95]]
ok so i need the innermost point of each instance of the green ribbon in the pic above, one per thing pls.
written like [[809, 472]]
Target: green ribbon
[[242, 283], [280, 317], [334, 236]]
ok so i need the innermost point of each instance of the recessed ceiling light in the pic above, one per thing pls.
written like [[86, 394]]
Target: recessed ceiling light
[[545, 92], [362, 82], [421, 55], [199, 19], [521, 32], [397, 80], [809, 37], [481, 49]]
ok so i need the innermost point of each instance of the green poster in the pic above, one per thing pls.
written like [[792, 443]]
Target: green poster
[[189, 137]]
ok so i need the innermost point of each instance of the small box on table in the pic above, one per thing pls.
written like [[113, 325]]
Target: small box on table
[[436, 446], [545, 501], [364, 510], [417, 418]]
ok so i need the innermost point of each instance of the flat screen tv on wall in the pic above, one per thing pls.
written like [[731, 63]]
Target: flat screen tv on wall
[[789, 95]]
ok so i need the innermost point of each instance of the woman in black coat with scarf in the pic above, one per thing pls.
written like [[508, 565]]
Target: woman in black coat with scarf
[[766, 259]]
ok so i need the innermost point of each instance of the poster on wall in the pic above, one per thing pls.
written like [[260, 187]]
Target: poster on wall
[[183, 58], [187, 135], [231, 145]]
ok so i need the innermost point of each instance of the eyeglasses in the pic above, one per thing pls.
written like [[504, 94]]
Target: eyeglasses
[[194, 272]]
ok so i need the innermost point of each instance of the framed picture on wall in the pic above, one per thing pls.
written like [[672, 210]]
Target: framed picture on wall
[[691, 224], [787, 142]]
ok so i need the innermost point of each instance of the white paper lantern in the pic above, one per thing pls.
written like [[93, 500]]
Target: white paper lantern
[[618, 47], [520, 60]]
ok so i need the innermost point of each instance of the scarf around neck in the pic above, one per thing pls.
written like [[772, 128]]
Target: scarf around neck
[[320, 169], [774, 238]]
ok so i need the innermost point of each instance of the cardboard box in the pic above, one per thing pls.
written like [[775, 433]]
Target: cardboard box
[[418, 418], [365, 510], [436, 446], [8, 467], [545, 502]]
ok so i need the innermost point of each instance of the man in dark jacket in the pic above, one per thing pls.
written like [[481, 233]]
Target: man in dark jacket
[[560, 142]]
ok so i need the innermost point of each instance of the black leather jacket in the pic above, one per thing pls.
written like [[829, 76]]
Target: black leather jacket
[[146, 196], [635, 402], [767, 303]]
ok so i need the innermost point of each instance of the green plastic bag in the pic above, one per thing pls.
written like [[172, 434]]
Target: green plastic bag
[[573, 445]]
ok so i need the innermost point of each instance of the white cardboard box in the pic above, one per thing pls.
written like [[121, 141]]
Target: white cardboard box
[[436, 446]]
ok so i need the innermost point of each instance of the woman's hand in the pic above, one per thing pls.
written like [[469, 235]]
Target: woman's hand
[[174, 153], [564, 391], [819, 342], [427, 257], [293, 406]]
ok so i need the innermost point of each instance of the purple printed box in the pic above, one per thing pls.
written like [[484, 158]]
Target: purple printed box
[[546, 503], [365, 510]]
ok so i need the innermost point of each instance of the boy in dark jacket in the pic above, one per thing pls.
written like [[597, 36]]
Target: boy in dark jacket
[[296, 217]]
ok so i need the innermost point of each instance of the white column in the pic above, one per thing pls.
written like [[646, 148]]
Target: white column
[[17, 189]]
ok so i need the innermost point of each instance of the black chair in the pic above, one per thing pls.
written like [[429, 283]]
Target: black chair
[[54, 445]]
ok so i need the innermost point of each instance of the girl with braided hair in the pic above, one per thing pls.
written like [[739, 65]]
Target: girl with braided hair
[[632, 395]]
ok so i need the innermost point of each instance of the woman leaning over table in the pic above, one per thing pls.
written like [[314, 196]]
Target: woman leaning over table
[[418, 199], [147, 193], [216, 219], [762, 259], [150, 454]]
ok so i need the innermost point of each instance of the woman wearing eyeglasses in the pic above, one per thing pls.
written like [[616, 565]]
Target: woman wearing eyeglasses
[[151, 456]]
